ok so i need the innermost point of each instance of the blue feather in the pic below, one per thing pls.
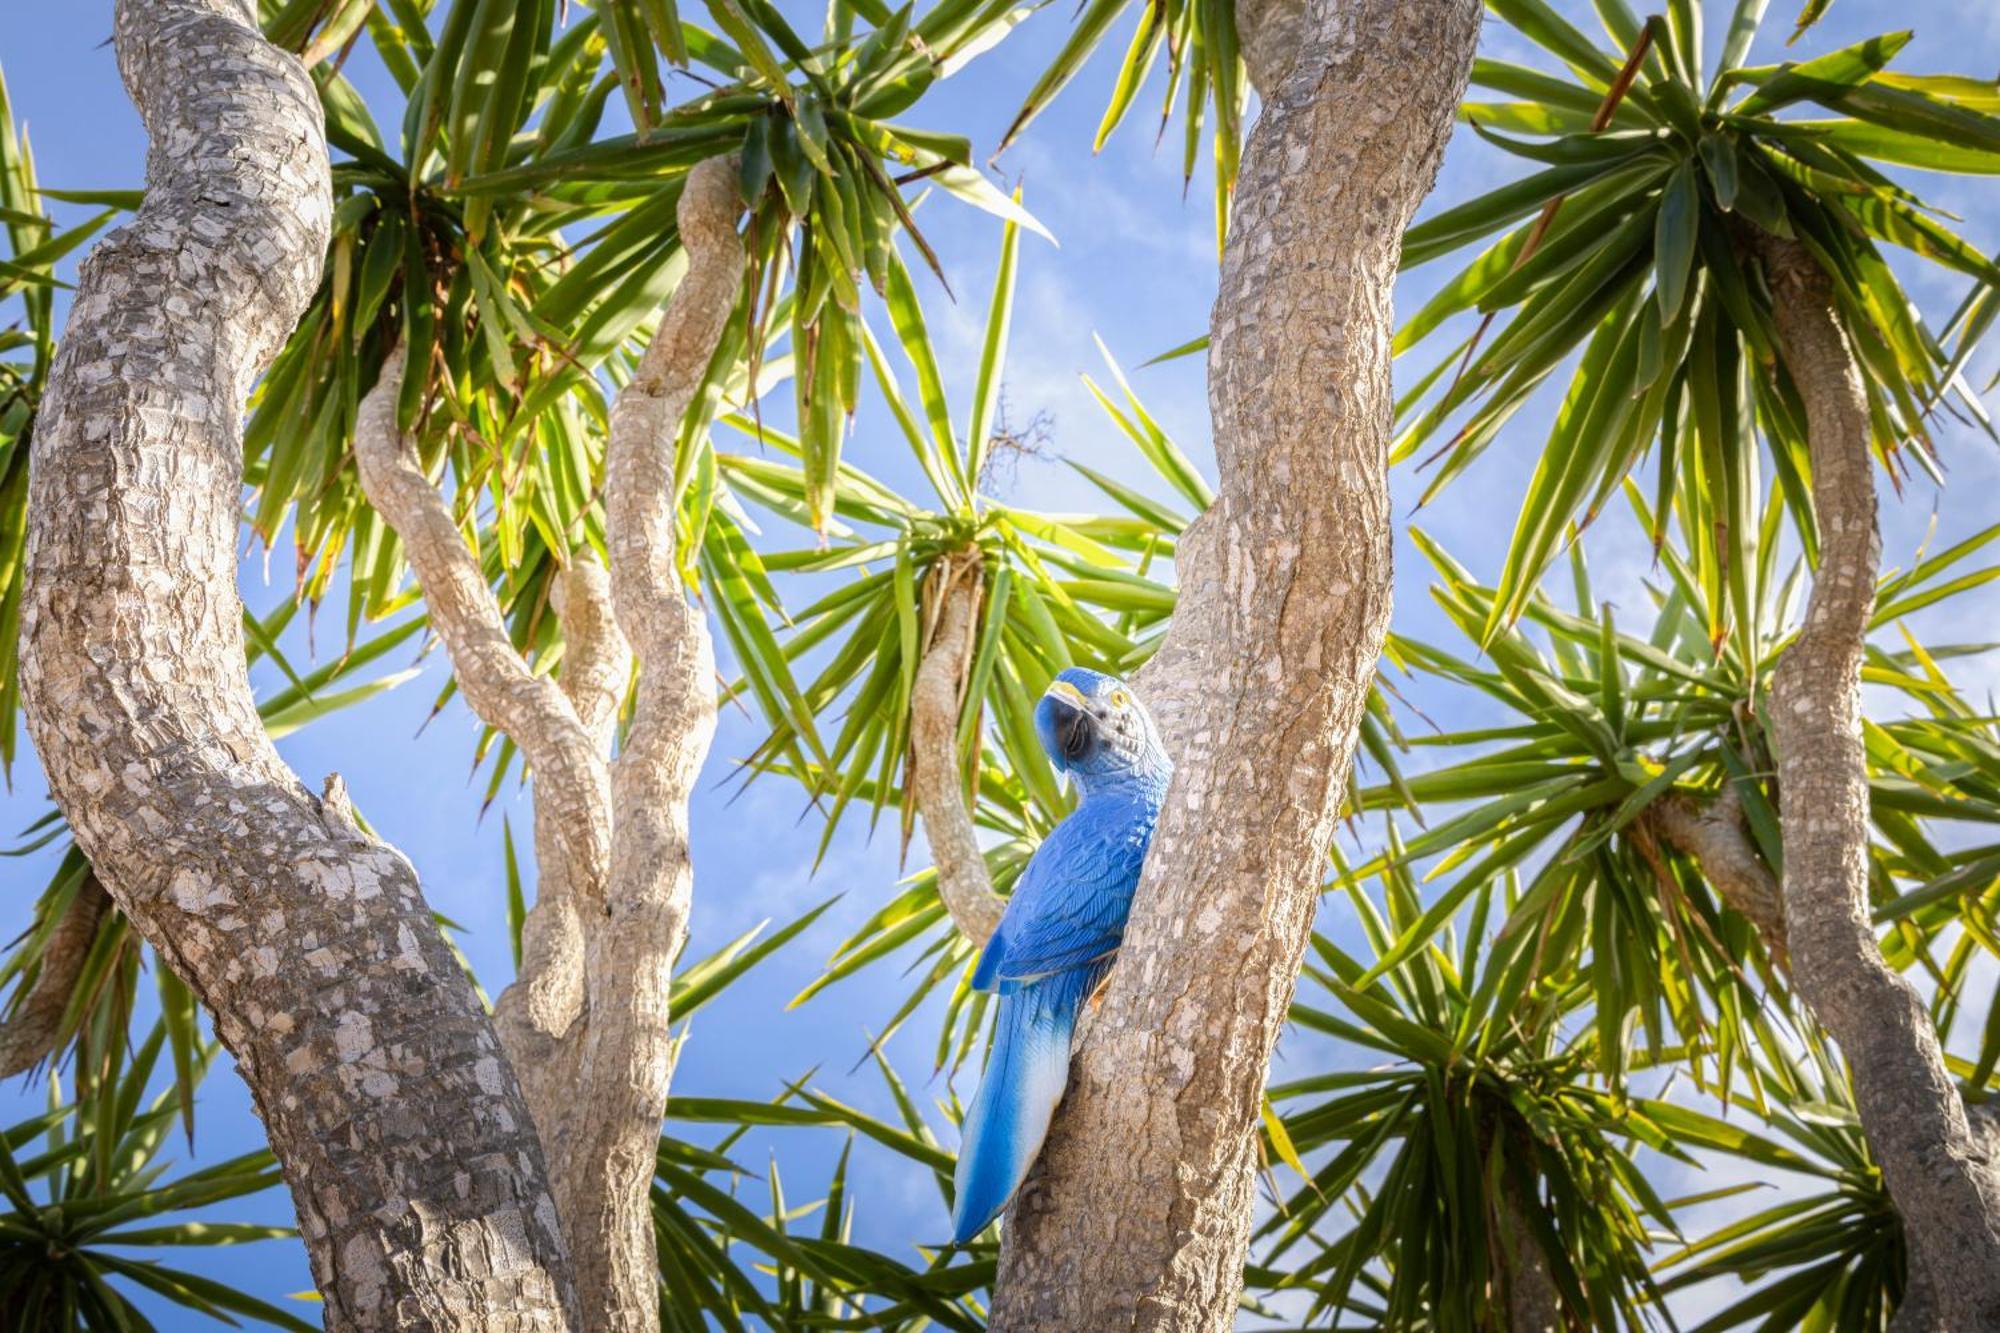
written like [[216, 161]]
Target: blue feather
[[1025, 1077]]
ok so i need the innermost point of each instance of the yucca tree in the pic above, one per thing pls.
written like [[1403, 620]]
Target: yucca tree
[[458, 329], [1485, 1171], [87, 1181], [1630, 785], [519, 313], [1657, 234], [960, 611], [1716, 258], [509, 253], [794, 137], [73, 976]]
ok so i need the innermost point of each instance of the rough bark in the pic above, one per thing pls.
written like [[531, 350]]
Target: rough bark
[[29, 1033], [1936, 1169], [605, 1163], [586, 1021], [1139, 1212], [494, 680], [418, 1179], [1268, 33], [935, 776], [572, 786], [1715, 835]]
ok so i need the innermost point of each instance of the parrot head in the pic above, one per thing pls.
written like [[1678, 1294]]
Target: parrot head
[[1096, 730]]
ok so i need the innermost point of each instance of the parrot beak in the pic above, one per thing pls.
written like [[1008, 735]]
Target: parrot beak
[[1064, 692], [1071, 729]]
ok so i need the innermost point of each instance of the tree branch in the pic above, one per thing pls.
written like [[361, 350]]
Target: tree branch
[[1139, 1210], [419, 1183], [597, 661], [935, 777], [29, 1033], [605, 1164], [570, 775], [1945, 1190], [1715, 835], [539, 1015]]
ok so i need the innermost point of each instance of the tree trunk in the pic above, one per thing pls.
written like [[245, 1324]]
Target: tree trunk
[[952, 603], [1936, 1170], [1532, 1300], [1138, 1214], [605, 1164], [587, 1019], [1268, 33], [418, 1179]]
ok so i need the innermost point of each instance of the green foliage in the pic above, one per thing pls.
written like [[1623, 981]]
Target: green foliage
[[88, 1180], [1653, 194], [1204, 68], [1835, 1258], [815, 1274], [1560, 1006], [1487, 1128]]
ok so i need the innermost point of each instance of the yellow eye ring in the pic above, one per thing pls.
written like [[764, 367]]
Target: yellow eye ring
[[1120, 699]]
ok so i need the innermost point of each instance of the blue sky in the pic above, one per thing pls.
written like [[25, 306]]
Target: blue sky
[[1136, 267]]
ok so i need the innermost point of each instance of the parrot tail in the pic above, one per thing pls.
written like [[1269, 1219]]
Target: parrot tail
[[1024, 1081]]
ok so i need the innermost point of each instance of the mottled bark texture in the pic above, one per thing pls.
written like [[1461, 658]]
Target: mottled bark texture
[[572, 787], [29, 1032], [417, 1175], [952, 615], [587, 1020], [605, 1163], [1936, 1169], [1268, 33], [1138, 1214], [1716, 834]]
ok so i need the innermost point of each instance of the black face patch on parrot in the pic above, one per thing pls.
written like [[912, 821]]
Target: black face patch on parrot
[[1076, 731]]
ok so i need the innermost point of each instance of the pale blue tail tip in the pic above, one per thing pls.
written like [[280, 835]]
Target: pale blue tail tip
[[1025, 1074], [975, 1211]]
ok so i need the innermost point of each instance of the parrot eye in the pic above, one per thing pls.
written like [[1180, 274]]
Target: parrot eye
[[1120, 699]]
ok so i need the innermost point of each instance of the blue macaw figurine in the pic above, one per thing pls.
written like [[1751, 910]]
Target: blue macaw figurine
[[1061, 928]]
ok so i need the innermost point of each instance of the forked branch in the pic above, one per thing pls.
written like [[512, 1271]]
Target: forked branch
[[587, 1019]]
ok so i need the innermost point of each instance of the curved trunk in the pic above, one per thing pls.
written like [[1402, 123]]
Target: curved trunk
[[1716, 835], [935, 777], [604, 1167], [1139, 1212], [419, 1182], [1936, 1170], [587, 1019]]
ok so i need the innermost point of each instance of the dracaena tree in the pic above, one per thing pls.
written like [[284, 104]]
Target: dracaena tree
[[1611, 841], [521, 384], [1659, 905], [443, 337], [1717, 259]]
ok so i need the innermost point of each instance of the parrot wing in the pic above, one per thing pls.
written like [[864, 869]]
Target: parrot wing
[[1069, 908]]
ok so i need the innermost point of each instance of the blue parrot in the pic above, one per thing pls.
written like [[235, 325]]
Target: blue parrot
[[1061, 928]]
